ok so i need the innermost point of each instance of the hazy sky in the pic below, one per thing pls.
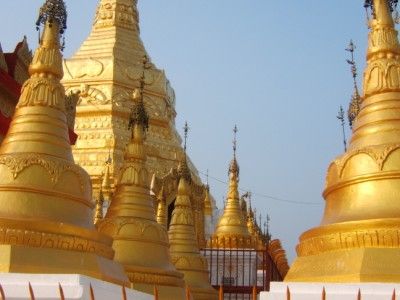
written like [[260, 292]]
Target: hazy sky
[[275, 68]]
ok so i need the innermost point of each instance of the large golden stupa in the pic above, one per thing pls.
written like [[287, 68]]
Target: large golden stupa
[[358, 239], [103, 73], [46, 204]]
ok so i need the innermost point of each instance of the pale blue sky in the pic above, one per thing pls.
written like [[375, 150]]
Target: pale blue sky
[[276, 68]]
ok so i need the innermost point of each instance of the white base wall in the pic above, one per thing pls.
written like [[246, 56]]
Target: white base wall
[[46, 287], [334, 291]]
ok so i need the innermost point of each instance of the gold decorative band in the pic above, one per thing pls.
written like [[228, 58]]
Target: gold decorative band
[[355, 234], [164, 278], [53, 235]]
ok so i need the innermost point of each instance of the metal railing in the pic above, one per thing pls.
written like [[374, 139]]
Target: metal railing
[[240, 272]]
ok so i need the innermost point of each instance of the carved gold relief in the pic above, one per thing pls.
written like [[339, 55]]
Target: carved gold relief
[[55, 167]]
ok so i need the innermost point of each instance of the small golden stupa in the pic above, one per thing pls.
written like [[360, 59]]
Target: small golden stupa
[[184, 247], [358, 239], [231, 231], [140, 243], [46, 205]]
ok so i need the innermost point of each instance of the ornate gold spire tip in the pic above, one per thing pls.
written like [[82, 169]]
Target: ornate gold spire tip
[[234, 167], [53, 11], [139, 114], [183, 169], [355, 103]]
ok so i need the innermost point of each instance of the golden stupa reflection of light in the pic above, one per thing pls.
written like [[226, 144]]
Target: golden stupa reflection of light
[[46, 202], [231, 231], [358, 239], [183, 242], [140, 243]]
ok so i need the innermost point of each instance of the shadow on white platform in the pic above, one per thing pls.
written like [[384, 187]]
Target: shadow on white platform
[[333, 291], [73, 287]]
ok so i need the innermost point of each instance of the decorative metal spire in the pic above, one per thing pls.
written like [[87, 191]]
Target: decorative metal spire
[[53, 11], [183, 169], [234, 167], [355, 103], [139, 115], [186, 131], [340, 117], [369, 6], [235, 131]]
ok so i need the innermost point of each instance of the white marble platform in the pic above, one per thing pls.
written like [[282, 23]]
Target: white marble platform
[[74, 287], [334, 291]]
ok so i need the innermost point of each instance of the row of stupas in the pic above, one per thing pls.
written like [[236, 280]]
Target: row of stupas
[[151, 208]]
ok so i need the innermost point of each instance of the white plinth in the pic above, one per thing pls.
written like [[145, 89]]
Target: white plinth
[[16, 286], [334, 291]]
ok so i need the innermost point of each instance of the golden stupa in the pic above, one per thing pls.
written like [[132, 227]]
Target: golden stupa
[[184, 246], [231, 231], [104, 71], [358, 239], [46, 202], [140, 243]]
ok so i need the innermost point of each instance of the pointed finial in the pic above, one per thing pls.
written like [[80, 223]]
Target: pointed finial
[[235, 131], [355, 103], [61, 291], [53, 11], [234, 167], [394, 294], [31, 293], [369, 5], [139, 114], [359, 294], [91, 293], [340, 117], [186, 131], [287, 293], [124, 296], [323, 294], [183, 169]]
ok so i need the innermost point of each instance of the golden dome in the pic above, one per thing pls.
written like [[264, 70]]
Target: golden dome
[[358, 237]]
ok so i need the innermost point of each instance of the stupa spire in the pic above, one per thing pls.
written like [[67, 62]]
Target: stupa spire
[[355, 102], [359, 229], [232, 230], [184, 247], [45, 198], [131, 219]]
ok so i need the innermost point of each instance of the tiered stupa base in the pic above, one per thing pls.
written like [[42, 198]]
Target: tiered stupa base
[[331, 291], [358, 251]]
